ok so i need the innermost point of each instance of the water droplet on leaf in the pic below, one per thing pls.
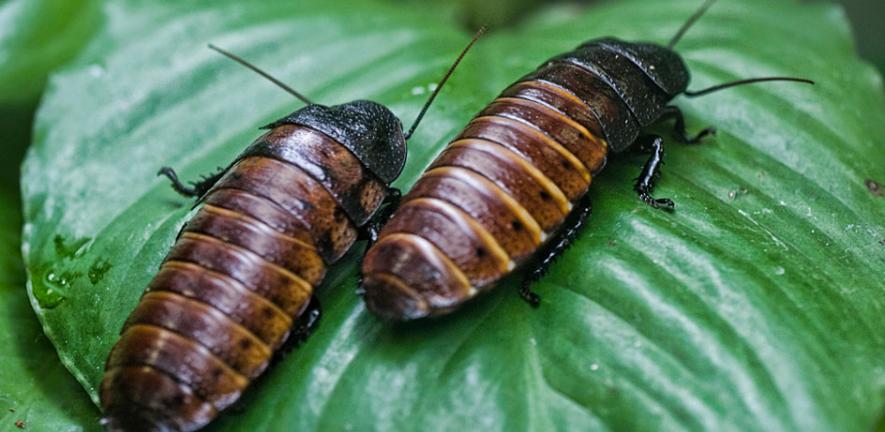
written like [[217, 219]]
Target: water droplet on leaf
[[49, 291], [98, 269]]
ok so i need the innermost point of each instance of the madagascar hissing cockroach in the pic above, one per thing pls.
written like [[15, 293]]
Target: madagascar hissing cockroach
[[242, 272], [511, 189]]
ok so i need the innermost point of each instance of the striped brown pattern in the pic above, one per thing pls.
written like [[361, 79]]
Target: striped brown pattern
[[490, 199], [240, 273]]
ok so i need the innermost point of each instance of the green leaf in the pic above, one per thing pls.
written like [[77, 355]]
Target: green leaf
[[35, 388], [35, 37], [758, 305], [36, 391]]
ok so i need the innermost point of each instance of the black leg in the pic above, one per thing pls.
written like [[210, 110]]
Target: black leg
[[651, 170], [564, 238], [653, 144], [198, 189], [673, 112], [308, 320], [303, 327], [370, 230], [181, 231]]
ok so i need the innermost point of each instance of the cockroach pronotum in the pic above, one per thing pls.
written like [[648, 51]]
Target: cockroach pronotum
[[243, 270], [511, 189]]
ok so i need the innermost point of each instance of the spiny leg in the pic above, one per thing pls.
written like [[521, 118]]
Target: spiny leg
[[308, 320], [198, 189], [564, 238], [370, 230], [651, 170], [673, 112], [304, 326], [653, 144]]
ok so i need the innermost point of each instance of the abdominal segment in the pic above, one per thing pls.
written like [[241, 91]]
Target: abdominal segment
[[488, 202], [240, 273]]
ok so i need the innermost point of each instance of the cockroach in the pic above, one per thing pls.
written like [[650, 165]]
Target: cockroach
[[511, 190], [242, 272]]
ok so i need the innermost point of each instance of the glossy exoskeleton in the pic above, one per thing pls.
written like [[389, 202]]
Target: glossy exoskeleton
[[511, 189], [241, 275]]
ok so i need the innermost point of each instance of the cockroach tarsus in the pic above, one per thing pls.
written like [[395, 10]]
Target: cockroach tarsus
[[564, 238], [197, 188], [511, 190], [237, 288]]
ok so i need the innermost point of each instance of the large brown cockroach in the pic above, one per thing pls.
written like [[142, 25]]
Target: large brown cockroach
[[511, 189], [243, 270]]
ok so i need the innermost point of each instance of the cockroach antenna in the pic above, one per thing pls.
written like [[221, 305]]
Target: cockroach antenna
[[688, 24], [532, 151], [257, 70], [693, 19], [443, 82], [724, 86]]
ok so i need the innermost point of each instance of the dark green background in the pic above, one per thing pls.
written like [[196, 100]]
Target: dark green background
[[867, 18]]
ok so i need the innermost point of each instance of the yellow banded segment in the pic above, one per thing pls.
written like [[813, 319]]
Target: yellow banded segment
[[430, 250], [466, 223], [542, 137], [481, 183], [284, 271], [497, 149]]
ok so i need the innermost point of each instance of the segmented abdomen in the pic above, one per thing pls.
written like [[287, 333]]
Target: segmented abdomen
[[493, 196], [240, 273]]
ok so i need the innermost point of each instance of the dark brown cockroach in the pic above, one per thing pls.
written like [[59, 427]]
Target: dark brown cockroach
[[511, 189], [243, 270]]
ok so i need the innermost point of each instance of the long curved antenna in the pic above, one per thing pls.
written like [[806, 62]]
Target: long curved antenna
[[443, 82], [279, 83], [693, 19], [724, 86]]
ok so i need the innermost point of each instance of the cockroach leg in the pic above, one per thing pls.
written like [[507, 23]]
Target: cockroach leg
[[564, 238], [370, 230], [394, 196], [304, 326], [651, 170], [181, 231], [198, 188], [177, 185], [673, 112], [206, 182], [308, 320], [530, 297]]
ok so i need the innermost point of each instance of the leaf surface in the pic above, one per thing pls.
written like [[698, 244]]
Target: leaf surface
[[758, 305], [36, 391], [35, 37]]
